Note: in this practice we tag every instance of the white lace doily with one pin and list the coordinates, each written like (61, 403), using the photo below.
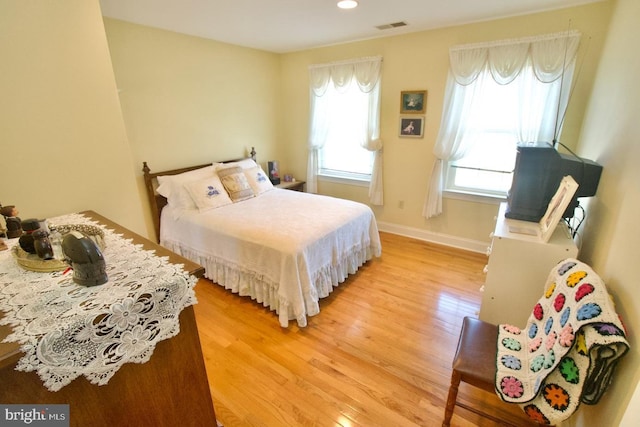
(67, 330)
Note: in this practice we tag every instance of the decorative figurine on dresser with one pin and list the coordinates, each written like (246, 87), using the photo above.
(27, 241)
(85, 258)
(11, 218)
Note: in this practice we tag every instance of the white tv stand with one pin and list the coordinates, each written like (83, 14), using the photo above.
(517, 271)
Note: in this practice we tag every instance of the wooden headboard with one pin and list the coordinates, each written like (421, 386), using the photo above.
(158, 202)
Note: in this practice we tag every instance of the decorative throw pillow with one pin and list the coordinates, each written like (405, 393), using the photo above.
(208, 193)
(258, 180)
(172, 186)
(235, 182)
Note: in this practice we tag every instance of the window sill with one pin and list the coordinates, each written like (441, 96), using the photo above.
(342, 180)
(490, 199)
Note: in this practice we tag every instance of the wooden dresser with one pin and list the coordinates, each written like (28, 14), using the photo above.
(169, 390)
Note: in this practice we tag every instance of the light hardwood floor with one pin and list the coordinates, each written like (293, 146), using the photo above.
(378, 354)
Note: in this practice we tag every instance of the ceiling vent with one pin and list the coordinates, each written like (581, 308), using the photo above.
(392, 25)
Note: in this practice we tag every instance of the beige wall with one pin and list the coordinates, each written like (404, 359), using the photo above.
(64, 145)
(611, 135)
(420, 61)
(188, 100)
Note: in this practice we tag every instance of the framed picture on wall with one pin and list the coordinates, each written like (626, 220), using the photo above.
(412, 127)
(413, 101)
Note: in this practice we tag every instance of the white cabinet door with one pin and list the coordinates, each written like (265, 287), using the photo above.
(517, 271)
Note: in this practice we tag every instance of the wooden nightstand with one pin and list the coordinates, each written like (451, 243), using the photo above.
(293, 185)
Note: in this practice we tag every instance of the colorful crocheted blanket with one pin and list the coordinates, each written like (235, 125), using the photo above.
(567, 352)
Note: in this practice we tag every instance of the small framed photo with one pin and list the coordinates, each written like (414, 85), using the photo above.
(558, 204)
(412, 127)
(274, 172)
(413, 101)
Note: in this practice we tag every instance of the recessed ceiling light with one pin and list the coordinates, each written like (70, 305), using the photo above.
(347, 4)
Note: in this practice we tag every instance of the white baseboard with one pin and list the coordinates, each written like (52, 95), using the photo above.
(430, 236)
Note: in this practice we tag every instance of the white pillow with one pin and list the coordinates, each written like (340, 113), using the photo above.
(172, 186)
(236, 183)
(208, 193)
(258, 180)
(244, 164)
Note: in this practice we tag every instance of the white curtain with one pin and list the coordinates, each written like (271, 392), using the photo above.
(367, 73)
(547, 59)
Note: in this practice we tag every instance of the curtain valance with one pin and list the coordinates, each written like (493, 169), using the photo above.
(548, 55)
(365, 70)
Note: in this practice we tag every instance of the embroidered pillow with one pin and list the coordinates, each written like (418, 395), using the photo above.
(235, 182)
(258, 180)
(172, 186)
(208, 193)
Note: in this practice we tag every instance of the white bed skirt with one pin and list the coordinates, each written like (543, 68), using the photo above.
(245, 282)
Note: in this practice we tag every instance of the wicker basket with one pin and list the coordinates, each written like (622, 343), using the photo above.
(33, 262)
(91, 231)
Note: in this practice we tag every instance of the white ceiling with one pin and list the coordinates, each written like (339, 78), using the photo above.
(290, 25)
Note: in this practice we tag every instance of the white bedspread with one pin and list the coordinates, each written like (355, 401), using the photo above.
(285, 249)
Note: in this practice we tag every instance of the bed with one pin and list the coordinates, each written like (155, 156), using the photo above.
(285, 249)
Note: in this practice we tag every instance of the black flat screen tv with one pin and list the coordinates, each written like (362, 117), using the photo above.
(537, 174)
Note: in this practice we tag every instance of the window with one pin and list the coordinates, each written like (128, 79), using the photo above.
(493, 130)
(498, 94)
(487, 169)
(344, 132)
(342, 156)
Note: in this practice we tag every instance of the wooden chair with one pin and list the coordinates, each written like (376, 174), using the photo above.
(569, 316)
(474, 364)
